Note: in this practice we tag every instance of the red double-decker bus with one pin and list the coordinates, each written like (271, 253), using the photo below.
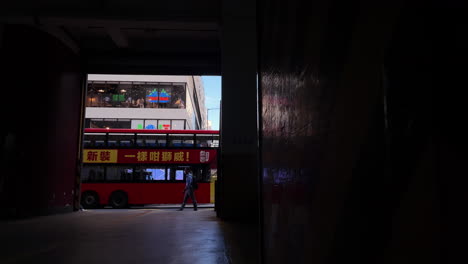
(123, 167)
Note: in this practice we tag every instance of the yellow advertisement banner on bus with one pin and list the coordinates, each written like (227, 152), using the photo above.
(100, 156)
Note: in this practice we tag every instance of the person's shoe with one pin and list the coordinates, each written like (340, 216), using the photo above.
(180, 209)
(195, 209)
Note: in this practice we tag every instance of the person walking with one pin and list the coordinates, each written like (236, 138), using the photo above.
(188, 190)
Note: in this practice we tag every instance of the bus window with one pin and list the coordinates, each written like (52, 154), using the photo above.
(179, 175)
(92, 173)
(175, 173)
(87, 143)
(151, 143)
(141, 174)
(120, 139)
(188, 141)
(162, 141)
(205, 175)
(215, 142)
(151, 140)
(156, 173)
(119, 173)
(204, 140)
(95, 139)
(181, 140)
(140, 142)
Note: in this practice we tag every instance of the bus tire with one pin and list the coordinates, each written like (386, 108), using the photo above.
(90, 200)
(118, 200)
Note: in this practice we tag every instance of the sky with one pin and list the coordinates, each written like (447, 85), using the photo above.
(212, 85)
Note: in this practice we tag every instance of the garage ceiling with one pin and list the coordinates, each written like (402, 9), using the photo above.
(134, 37)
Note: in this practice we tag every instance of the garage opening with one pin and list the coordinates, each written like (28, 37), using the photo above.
(143, 135)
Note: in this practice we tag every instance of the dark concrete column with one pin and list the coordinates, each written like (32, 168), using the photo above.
(1, 34)
(42, 84)
(356, 119)
(238, 182)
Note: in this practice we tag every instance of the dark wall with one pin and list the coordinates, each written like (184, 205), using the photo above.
(237, 184)
(355, 122)
(41, 108)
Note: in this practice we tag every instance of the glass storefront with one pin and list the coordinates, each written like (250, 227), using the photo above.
(163, 124)
(136, 95)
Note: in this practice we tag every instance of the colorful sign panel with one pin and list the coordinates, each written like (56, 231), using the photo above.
(164, 126)
(153, 96)
(158, 97)
(173, 156)
(164, 96)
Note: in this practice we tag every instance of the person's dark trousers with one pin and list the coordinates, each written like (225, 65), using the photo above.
(191, 195)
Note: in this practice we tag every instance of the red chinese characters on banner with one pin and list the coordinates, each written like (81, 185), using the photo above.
(100, 156)
(191, 156)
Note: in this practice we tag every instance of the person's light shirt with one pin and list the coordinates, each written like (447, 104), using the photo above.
(188, 181)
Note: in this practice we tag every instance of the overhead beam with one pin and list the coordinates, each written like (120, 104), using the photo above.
(179, 64)
(118, 37)
(175, 24)
(52, 29)
(186, 24)
(181, 10)
(61, 35)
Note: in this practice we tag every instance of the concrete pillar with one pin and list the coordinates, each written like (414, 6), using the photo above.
(1, 34)
(42, 83)
(238, 180)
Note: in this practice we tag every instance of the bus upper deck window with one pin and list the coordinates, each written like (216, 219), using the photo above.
(125, 143)
(151, 142)
(140, 143)
(87, 143)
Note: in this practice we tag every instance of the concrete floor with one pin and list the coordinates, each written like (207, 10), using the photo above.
(165, 236)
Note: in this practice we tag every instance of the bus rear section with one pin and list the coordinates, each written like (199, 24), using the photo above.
(140, 172)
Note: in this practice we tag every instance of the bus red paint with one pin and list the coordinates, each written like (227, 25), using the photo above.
(124, 167)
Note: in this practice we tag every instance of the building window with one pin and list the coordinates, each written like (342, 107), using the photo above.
(163, 124)
(178, 124)
(108, 123)
(136, 95)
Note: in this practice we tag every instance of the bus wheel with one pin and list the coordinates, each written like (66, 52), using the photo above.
(90, 200)
(118, 200)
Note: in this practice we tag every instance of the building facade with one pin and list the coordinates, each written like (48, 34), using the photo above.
(145, 102)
